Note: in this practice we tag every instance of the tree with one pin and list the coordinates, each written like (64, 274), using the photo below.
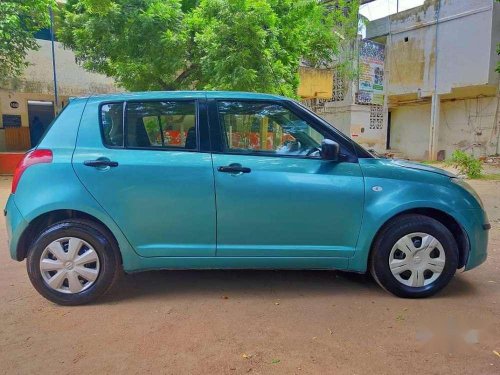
(19, 20)
(250, 45)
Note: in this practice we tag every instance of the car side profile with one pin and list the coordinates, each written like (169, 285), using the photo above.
(221, 180)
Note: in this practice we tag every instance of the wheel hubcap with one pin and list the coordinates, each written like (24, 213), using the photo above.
(69, 265)
(417, 259)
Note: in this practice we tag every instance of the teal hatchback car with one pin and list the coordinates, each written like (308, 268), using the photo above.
(204, 180)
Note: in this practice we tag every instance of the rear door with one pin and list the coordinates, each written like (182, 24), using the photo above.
(146, 161)
(276, 197)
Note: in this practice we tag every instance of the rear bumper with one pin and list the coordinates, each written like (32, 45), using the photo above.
(477, 229)
(15, 225)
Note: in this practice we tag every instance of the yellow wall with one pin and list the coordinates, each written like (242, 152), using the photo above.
(315, 83)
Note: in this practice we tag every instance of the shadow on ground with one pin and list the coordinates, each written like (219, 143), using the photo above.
(260, 283)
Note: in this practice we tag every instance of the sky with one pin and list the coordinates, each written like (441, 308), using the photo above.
(382, 8)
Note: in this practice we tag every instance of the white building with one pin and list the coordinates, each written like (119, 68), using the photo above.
(440, 84)
(31, 96)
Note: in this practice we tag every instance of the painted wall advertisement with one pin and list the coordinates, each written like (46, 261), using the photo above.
(371, 72)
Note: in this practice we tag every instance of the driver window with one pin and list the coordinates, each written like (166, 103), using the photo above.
(262, 127)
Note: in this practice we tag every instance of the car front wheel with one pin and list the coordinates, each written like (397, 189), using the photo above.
(414, 256)
(73, 262)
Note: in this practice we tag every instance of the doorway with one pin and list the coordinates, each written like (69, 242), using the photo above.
(388, 139)
(40, 115)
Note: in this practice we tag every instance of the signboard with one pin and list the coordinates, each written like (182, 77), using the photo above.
(371, 72)
(11, 121)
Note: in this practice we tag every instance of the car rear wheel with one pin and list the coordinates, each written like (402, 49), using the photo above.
(414, 256)
(73, 262)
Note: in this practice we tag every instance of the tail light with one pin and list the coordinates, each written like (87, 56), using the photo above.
(31, 158)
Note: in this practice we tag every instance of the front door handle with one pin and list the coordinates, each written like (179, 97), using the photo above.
(234, 168)
(99, 163)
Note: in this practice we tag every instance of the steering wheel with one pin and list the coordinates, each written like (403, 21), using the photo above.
(313, 150)
(292, 146)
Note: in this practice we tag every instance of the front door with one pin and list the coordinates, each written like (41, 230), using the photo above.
(150, 174)
(276, 197)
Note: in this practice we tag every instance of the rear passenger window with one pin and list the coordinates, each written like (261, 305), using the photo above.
(112, 124)
(165, 124)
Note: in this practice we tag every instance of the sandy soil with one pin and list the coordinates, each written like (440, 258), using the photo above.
(258, 322)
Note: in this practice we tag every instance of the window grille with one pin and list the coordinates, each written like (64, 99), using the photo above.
(339, 87)
(376, 116)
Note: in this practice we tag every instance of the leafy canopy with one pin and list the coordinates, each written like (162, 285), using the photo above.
(249, 45)
(19, 20)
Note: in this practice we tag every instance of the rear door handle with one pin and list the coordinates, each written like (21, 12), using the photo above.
(234, 168)
(100, 163)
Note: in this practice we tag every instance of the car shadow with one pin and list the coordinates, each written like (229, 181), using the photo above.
(257, 283)
(459, 286)
(239, 283)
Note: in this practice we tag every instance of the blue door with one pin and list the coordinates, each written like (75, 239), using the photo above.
(150, 175)
(276, 197)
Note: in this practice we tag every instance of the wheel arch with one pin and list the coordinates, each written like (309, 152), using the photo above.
(458, 232)
(39, 223)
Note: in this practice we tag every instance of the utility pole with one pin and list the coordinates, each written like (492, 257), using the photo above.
(56, 98)
(436, 99)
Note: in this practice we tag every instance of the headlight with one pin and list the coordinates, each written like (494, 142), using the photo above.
(464, 185)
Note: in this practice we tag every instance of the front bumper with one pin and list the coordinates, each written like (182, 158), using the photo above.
(15, 225)
(477, 228)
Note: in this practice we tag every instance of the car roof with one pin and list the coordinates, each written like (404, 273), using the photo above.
(145, 95)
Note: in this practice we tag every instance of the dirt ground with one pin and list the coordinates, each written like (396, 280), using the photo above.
(257, 322)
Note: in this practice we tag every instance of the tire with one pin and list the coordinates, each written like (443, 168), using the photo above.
(99, 268)
(418, 270)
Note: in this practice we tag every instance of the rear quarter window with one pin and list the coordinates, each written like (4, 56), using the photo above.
(112, 124)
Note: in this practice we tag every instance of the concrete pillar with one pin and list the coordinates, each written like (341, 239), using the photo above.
(434, 128)
(263, 133)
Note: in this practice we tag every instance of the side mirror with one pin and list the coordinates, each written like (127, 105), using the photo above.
(329, 150)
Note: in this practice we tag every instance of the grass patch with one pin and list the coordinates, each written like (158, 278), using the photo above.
(489, 177)
(430, 162)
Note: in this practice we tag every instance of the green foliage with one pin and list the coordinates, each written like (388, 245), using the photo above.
(19, 20)
(141, 43)
(466, 164)
(248, 45)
